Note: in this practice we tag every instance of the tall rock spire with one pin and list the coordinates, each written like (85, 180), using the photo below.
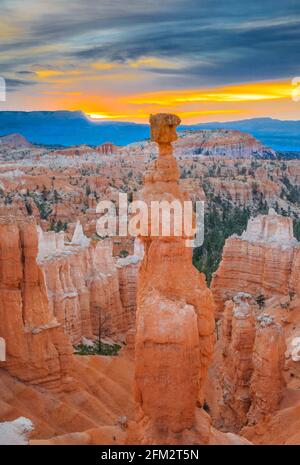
(175, 323)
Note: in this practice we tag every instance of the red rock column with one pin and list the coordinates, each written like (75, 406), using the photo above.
(37, 349)
(237, 360)
(227, 326)
(267, 382)
(175, 323)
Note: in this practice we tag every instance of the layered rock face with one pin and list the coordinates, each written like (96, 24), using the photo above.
(40, 378)
(244, 193)
(267, 383)
(37, 351)
(238, 334)
(253, 353)
(128, 276)
(212, 143)
(107, 148)
(226, 143)
(87, 292)
(260, 261)
(175, 324)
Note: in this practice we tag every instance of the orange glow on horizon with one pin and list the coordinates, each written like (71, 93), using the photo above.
(191, 103)
(100, 103)
(96, 116)
(238, 93)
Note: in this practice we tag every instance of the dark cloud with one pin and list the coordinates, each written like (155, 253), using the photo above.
(26, 73)
(13, 84)
(230, 54)
(218, 42)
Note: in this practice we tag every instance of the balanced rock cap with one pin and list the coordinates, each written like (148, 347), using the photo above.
(163, 127)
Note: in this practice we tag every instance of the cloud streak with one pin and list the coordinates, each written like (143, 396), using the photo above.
(150, 46)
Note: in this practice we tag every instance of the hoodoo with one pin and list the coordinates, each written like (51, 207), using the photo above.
(250, 359)
(175, 322)
(37, 350)
(267, 382)
(263, 260)
(237, 344)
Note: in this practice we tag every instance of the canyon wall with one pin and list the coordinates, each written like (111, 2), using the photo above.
(128, 276)
(238, 332)
(267, 382)
(40, 378)
(263, 260)
(252, 363)
(89, 293)
(37, 350)
(213, 143)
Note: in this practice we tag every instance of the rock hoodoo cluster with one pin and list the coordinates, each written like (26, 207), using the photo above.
(238, 339)
(89, 292)
(55, 293)
(44, 306)
(253, 355)
(262, 261)
(37, 350)
(267, 382)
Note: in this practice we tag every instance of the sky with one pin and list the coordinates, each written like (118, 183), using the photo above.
(206, 60)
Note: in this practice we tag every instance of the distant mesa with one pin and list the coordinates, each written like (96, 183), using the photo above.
(217, 143)
(69, 128)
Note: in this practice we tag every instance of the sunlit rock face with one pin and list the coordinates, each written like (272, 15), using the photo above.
(107, 148)
(238, 334)
(252, 364)
(128, 275)
(175, 323)
(89, 293)
(37, 350)
(226, 144)
(40, 378)
(271, 228)
(267, 382)
(262, 260)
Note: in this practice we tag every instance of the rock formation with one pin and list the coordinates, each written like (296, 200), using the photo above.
(260, 261)
(128, 275)
(238, 334)
(271, 228)
(223, 143)
(267, 382)
(59, 289)
(175, 324)
(213, 143)
(107, 148)
(88, 292)
(37, 350)
(243, 193)
(40, 378)
(253, 354)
